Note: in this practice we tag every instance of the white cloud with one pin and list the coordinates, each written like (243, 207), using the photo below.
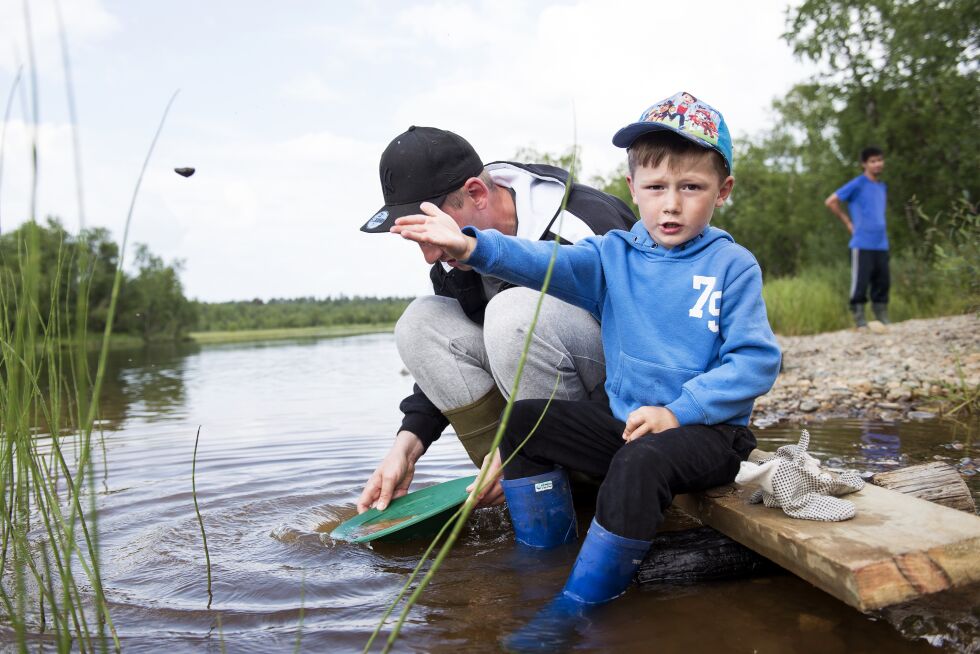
(86, 22)
(598, 65)
(309, 88)
(461, 26)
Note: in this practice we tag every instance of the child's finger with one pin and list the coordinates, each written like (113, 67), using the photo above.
(430, 209)
(639, 431)
(414, 219)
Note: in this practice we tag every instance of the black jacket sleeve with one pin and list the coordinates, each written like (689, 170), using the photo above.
(422, 418)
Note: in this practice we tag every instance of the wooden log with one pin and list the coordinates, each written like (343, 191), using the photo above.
(700, 554)
(936, 482)
(685, 551)
(896, 549)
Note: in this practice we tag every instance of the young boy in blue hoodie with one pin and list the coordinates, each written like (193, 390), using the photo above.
(687, 343)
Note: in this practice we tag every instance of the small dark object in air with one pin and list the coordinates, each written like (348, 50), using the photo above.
(184, 172)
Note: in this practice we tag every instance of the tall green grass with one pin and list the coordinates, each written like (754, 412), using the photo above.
(816, 300)
(50, 571)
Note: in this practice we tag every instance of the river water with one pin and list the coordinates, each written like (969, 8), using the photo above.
(289, 432)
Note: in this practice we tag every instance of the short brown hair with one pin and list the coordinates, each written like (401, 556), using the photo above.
(456, 198)
(652, 148)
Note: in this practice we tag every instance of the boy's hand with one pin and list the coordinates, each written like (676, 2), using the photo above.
(649, 420)
(493, 494)
(435, 227)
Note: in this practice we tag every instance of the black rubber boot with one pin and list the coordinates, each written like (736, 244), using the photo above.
(880, 310)
(857, 310)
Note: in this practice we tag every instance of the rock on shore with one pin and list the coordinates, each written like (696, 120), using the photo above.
(898, 372)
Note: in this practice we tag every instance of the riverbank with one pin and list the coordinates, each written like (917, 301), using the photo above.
(246, 335)
(915, 369)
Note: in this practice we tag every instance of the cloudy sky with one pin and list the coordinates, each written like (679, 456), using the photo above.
(284, 109)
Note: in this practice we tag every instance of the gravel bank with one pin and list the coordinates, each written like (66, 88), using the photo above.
(889, 373)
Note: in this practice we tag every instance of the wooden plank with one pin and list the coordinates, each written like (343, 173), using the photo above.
(897, 548)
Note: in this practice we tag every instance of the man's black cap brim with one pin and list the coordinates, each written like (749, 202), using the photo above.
(385, 218)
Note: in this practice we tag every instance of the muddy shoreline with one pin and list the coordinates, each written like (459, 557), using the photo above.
(909, 370)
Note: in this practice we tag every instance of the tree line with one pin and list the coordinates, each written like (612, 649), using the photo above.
(152, 304)
(70, 267)
(298, 312)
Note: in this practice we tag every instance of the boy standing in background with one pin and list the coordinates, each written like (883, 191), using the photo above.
(865, 196)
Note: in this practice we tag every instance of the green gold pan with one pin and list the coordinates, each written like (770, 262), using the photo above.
(416, 515)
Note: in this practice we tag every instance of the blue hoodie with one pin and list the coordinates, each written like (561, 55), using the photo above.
(683, 328)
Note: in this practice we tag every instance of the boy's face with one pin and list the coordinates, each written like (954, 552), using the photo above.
(676, 205)
(874, 164)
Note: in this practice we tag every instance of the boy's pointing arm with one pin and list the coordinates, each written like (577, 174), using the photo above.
(577, 276)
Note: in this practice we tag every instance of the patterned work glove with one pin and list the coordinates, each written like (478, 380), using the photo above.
(792, 479)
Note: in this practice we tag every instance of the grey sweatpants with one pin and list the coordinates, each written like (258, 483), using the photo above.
(456, 361)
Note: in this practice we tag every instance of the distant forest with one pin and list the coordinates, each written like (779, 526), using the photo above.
(152, 305)
(297, 312)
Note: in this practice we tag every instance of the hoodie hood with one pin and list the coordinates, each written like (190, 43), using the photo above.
(639, 238)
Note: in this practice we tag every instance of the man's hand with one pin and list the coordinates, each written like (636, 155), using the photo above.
(393, 475)
(649, 420)
(493, 494)
(435, 227)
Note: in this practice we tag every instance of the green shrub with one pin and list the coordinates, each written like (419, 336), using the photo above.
(815, 300)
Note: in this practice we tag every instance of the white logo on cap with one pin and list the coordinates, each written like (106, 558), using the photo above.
(377, 219)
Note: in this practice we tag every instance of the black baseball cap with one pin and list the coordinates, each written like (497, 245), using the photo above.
(423, 164)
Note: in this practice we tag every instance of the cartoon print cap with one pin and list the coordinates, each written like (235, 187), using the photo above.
(683, 114)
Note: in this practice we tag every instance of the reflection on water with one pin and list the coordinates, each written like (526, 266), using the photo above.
(880, 451)
(289, 433)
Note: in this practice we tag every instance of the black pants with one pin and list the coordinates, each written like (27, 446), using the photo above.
(869, 268)
(641, 477)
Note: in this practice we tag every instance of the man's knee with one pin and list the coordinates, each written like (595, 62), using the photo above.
(506, 321)
(417, 322)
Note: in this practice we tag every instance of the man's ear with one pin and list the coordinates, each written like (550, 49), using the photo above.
(629, 183)
(725, 190)
(477, 191)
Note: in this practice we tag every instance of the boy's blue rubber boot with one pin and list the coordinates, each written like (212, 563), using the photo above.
(541, 509)
(602, 572)
(605, 566)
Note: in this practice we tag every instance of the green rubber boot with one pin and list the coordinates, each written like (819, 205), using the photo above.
(476, 424)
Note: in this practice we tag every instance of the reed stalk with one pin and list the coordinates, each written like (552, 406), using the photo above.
(197, 510)
(6, 121)
(302, 612)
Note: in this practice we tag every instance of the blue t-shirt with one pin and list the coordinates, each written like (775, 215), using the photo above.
(866, 203)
